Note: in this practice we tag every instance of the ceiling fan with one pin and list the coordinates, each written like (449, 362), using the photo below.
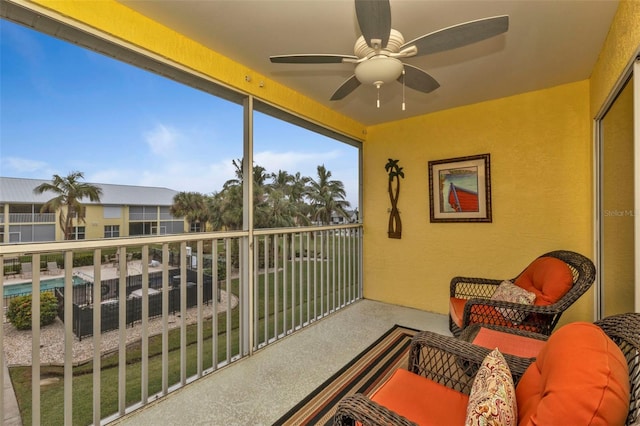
(377, 52)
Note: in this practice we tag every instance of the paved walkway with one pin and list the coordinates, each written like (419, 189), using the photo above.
(11, 415)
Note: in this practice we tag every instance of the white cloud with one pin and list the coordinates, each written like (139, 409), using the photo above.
(304, 162)
(113, 176)
(162, 140)
(23, 165)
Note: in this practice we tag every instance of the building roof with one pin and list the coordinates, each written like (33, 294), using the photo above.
(20, 190)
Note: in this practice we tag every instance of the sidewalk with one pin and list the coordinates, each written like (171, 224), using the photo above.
(11, 413)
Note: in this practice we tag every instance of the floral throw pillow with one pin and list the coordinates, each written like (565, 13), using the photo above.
(492, 400)
(509, 292)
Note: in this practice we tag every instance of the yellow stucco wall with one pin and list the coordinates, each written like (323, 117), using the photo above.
(622, 42)
(540, 148)
(95, 222)
(119, 21)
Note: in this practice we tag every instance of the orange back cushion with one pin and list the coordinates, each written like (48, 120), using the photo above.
(549, 278)
(579, 377)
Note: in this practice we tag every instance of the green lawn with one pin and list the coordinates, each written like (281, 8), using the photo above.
(299, 295)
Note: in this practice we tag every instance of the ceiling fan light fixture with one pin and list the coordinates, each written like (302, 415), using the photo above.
(379, 70)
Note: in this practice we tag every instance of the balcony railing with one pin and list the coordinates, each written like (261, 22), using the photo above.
(32, 217)
(243, 290)
(143, 216)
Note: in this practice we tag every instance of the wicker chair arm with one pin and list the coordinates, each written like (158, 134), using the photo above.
(467, 287)
(453, 362)
(469, 333)
(520, 307)
(359, 408)
(484, 311)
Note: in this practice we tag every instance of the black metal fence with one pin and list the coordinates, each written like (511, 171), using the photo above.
(110, 305)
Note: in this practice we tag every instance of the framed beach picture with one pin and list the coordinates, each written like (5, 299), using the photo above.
(460, 189)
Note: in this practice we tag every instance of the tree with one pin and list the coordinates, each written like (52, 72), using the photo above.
(327, 196)
(70, 193)
(286, 196)
(192, 206)
(281, 181)
(226, 205)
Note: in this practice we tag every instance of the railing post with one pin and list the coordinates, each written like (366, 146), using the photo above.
(97, 331)
(122, 326)
(2, 360)
(68, 337)
(165, 318)
(199, 289)
(35, 341)
(183, 313)
(144, 378)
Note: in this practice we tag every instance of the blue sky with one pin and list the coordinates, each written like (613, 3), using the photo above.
(64, 108)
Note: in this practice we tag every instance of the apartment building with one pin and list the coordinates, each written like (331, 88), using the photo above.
(123, 211)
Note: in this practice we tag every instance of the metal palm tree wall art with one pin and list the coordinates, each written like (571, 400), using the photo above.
(395, 173)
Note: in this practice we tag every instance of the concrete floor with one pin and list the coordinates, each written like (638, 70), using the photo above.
(259, 389)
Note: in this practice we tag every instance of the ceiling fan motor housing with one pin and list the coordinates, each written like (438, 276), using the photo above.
(379, 68)
(362, 49)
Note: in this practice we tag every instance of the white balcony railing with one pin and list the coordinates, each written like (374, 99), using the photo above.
(192, 302)
(32, 217)
(143, 216)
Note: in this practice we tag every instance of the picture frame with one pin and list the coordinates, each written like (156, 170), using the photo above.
(460, 189)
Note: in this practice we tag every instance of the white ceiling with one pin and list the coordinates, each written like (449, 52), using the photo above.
(549, 42)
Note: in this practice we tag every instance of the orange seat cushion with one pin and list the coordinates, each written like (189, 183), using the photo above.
(521, 346)
(549, 278)
(580, 377)
(421, 400)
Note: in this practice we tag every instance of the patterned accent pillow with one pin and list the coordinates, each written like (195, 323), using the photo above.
(509, 292)
(492, 400)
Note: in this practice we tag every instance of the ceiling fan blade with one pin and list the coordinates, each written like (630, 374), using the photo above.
(459, 35)
(312, 59)
(347, 87)
(417, 79)
(374, 20)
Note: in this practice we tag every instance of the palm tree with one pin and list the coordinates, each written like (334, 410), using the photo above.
(69, 194)
(281, 181)
(286, 193)
(327, 196)
(226, 205)
(192, 206)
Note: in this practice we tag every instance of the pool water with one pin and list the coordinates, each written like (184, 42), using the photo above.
(25, 288)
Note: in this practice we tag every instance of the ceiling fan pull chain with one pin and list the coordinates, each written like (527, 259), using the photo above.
(378, 101)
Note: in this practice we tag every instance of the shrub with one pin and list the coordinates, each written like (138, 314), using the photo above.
(19, 311)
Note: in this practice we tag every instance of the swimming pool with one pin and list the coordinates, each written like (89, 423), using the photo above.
(25, 288)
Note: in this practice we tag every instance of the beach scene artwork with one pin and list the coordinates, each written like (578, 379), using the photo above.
(459, 190)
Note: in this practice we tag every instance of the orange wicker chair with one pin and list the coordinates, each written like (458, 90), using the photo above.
(558, 278)
(443, 369)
